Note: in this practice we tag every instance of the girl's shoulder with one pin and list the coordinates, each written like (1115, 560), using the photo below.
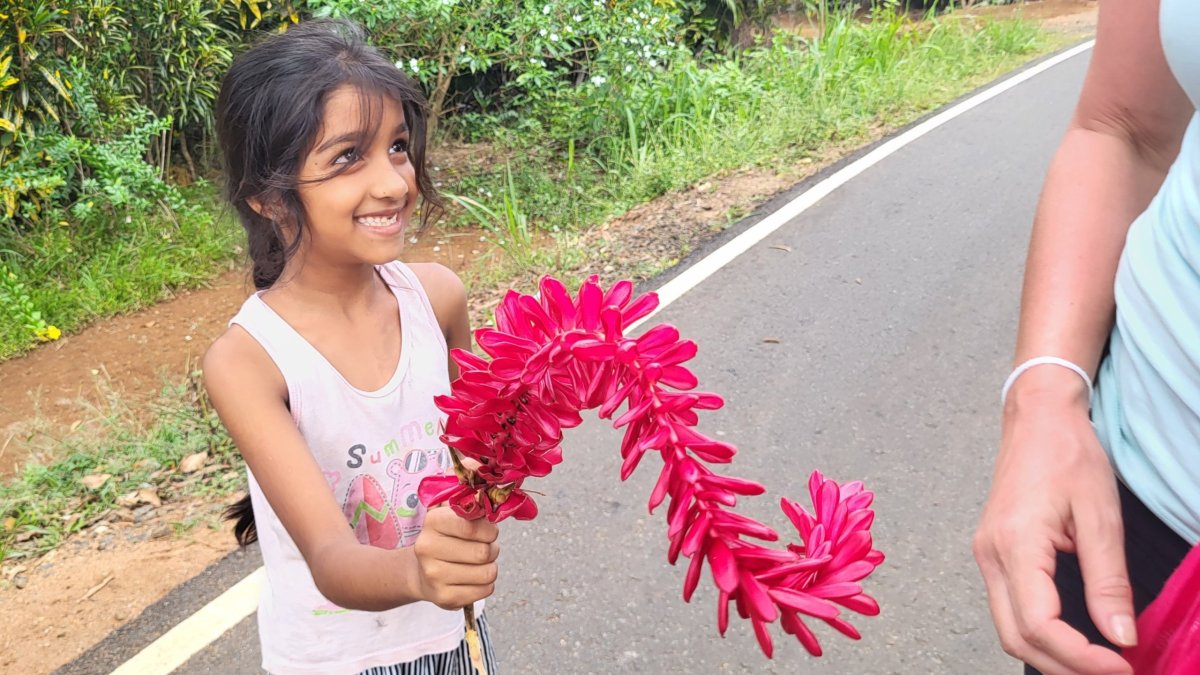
(445, 290)
(235, 361)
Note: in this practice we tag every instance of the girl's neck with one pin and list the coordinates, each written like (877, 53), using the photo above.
(325, 288)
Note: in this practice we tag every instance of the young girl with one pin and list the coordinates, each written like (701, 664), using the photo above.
(326, 377)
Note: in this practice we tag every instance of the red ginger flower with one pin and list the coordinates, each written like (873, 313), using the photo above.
(555, 355)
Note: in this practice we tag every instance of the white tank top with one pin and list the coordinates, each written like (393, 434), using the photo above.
(374, 448)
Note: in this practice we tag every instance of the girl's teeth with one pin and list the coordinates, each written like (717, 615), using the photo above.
(378, 222)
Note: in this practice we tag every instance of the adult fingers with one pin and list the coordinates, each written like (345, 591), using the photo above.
(1100, 545)
(1046, 642)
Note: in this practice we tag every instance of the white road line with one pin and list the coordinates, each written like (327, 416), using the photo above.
(196, 632)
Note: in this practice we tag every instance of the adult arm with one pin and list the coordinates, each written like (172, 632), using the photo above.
(1053, 487)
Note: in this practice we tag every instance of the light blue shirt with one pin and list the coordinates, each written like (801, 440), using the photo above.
(1147, 403)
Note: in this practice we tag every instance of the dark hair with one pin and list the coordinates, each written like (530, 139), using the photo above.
(269, 114)
(268, 117)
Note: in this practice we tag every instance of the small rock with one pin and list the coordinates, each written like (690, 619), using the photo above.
(105, 543)
(143, 513)
(160, 532)
(149, 496)
(120, 615)
(20, 581)
(193, 463)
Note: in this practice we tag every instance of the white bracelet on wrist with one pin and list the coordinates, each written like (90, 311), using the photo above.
(1045, 360)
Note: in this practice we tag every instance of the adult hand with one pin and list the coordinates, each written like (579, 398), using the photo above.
(1054, 490)
(456, 559)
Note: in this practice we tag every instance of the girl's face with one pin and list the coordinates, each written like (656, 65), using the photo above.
(360, 215)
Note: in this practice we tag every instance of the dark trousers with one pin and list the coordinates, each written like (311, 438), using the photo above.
(1152, 552)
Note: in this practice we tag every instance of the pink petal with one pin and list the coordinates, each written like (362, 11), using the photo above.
(679, 352)
(678, 377)
(538, 316)
(842, 589)
(557, 302)
(795, 626)
(757, 600)
(629, 465)
(804, 603)
(723, 566)
(660, 488)
(722, 612)
(852, 572)
(842, 626)
(696, 535)
(693, 577)
(717, 496)
(610, 319)
(764, 637)
(800, 519)
(619, 294)
(435, 490)
(736, 522)
(589, 305)
(641, 307)
(594, 350)
(468, 359)
(658, 337)
(738, 486)
(863, 604)
(634, 412)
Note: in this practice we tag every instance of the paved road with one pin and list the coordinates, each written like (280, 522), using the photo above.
(894, 303)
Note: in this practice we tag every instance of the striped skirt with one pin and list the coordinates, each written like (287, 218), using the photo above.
(454, 662)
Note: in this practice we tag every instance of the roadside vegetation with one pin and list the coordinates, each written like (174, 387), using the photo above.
(583, 109)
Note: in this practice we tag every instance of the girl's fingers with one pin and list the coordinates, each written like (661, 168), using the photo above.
(449, 574)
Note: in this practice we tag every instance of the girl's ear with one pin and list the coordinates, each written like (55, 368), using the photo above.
(257, 205)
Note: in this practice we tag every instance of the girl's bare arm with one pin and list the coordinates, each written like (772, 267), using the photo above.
(452, 563)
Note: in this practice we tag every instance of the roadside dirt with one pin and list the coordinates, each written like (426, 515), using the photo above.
(45, 620)
(54, 608)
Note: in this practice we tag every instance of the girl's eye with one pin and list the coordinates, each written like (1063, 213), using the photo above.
(400, 145)
(346, 157)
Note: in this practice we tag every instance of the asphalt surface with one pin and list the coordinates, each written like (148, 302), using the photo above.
(892, 308)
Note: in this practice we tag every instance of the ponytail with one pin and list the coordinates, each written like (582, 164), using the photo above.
(242, 513)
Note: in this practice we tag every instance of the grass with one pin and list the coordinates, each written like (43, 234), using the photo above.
(135, 449)
(775, 105)
(75, 275)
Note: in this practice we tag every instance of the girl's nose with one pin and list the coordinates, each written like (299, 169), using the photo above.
(388, 182)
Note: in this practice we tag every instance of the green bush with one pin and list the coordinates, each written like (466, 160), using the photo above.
(53, 178)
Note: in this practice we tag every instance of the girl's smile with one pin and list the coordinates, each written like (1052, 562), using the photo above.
(383, 223)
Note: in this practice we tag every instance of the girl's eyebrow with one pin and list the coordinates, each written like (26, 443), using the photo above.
(336, 140)
(354, 135)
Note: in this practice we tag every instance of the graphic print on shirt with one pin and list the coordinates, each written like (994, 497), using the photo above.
(391, 517)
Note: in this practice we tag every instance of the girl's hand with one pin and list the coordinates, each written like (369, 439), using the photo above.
(1054, 490)
(456, 559)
